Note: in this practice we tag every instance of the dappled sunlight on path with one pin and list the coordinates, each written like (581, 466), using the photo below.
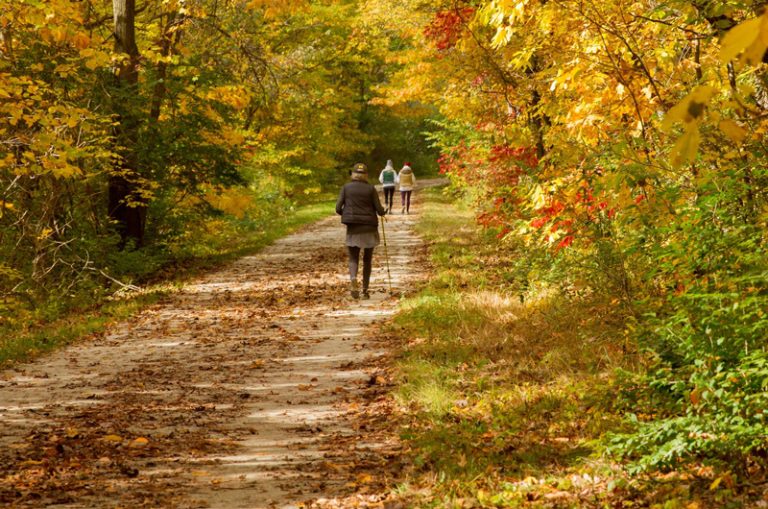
(243, 389)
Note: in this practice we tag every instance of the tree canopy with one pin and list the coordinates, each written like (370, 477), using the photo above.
(618, 148)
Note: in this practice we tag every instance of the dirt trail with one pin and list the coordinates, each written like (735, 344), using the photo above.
(255, 386)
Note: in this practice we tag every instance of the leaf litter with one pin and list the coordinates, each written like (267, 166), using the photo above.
(259, 385)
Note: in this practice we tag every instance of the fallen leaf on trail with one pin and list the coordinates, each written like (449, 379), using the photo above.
(31, 463)
(327, 465)
(72, 432)
(129, 471)
(377, 380)
(112, 438)
(140, 442)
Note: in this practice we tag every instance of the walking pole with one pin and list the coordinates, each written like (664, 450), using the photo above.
(386, 254)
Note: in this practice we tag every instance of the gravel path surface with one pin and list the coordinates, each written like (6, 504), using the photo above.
(259, 385)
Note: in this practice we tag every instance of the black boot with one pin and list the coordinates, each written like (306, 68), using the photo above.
(353, 290)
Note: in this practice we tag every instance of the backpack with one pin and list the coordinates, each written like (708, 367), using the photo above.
(388, 177)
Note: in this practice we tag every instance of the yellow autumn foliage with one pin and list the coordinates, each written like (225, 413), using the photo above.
(237, 202)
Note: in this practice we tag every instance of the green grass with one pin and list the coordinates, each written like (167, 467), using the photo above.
(25, 342)
(494, 391)
(22, 345)
(507, 386)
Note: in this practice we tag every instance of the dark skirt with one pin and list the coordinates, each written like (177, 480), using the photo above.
(363, 236)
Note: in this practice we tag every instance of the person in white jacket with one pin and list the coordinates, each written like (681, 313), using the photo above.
(388, 178)
(407, 181)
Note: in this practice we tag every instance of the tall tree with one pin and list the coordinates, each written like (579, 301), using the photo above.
(126, 205)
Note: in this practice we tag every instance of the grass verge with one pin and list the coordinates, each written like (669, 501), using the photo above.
(505, 403)
(23, 343)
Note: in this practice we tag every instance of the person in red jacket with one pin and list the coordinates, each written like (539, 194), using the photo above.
(359, 208)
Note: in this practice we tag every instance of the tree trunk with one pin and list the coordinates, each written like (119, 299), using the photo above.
(537, 120)
(168, 39)
(126, 205)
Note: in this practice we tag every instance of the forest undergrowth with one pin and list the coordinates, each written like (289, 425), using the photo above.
(510, 400)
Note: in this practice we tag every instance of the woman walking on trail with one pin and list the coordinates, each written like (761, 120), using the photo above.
(388, 178)
(407, 181)
(358, 206)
